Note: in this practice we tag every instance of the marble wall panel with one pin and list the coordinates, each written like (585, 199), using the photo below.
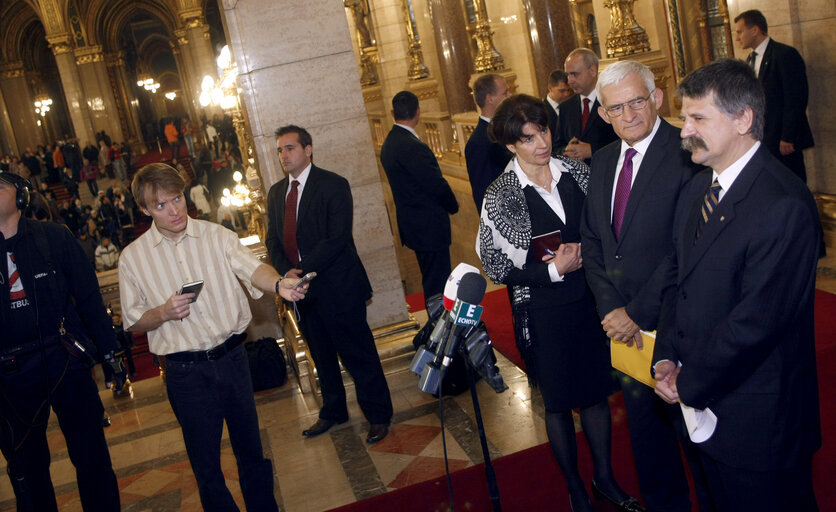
(512, 42)
(372, 230)
(388, 303)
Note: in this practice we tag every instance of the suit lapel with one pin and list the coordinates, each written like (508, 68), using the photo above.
(766, 62)
(593, 118)
(609, 183)
(307, 194)
(282, 200)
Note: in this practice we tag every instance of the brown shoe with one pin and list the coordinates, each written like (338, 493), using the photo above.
(377, 431)
(320, 427)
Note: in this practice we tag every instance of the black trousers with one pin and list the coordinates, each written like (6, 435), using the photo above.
(346, 334)
(435, 269)
(40, 380)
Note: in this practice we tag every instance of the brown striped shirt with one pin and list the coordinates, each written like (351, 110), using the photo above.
(153, 267)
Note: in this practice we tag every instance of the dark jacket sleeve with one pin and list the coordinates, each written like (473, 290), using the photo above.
(794, 82)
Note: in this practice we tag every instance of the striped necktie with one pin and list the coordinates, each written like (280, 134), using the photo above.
(709, 203)
(751, 59)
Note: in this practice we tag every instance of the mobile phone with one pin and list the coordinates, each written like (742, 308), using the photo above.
(305, 280)
(194, 288)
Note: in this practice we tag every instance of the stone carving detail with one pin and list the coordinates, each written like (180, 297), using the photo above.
(626, 36)
(417, 69)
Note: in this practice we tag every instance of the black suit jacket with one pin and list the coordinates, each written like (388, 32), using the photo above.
(485, 161)
(784, 79)
(324, 237)
(553, 116)
(741, 320)
(619, 270)
(423, 199)
(598, 133)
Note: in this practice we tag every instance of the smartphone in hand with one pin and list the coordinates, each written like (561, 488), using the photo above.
(194, 288)
(305, 280)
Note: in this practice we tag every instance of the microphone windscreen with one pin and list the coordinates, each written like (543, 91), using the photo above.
(452, 286)
(472, 288)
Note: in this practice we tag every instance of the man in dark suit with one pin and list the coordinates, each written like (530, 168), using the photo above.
(310, 221)
(559, 91)
(737, 335)
(485, 159)
(580, 133)
(781, 71)
(626, 235)
(423, 199)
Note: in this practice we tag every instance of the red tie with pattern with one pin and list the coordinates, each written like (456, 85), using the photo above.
(289, 229)
(584, 114)
(622, 191)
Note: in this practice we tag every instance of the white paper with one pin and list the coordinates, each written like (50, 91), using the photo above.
(700, 423)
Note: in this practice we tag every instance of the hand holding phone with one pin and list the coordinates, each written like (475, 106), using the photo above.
(305, 280)
(193, 287)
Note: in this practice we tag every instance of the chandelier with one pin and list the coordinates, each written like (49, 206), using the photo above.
(42, 104)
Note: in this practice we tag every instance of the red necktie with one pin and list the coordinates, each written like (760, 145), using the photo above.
(622, 191)
(585, 114)
(289, 229)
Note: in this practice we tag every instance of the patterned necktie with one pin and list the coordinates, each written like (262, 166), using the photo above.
(709, 203)
(289, 228)
(622, 191)
(751, 59)
(584, 114)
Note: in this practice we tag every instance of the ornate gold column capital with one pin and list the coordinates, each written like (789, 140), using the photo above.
(181, 36)
(417, 69)
(487, 57)
(88, 54)
(626, 36)
(12, 69)
(192, 18)
(60, 43)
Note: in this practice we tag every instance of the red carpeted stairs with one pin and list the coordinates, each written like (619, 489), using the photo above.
(530, 480)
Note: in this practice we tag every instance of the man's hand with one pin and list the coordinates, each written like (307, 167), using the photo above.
(578, 149)
(666, 373)
(177, 306)
(786, 148)
(568, 258)
(294, 272)
(622, 328)
(287, 290)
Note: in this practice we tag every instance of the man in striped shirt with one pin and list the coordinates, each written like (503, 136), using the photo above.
(201, 335)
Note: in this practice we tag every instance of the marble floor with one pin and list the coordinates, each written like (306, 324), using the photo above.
(312, 474)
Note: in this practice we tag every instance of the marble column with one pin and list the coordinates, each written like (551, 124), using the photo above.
(123, 92)
(292, 60)
(101, 103)
(21, 110)
(189, 77)
(551, 37)
(73, 88)
(454, 58)
(8, 142)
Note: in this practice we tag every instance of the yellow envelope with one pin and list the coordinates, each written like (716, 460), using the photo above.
(634, 362)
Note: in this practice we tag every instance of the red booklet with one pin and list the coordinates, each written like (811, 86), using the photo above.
(550, 241)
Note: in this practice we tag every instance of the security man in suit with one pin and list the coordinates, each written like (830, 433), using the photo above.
(782, 73)
(423, 198)
(485, 159)
(310, 222)
(580, 133)
(626, 235)
(737, 335)
(559, 91)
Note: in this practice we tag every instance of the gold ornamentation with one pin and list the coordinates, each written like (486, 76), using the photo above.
(417, 69)
(12, 70)
(59, 44)
(192, 18)
(368, 57)
(626, 36)
(88, 54)
(487, 57)
(181, 35)
(676, 37)
(360, 10)
(372, 93)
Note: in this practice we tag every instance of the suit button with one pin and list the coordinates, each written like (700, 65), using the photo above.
(618, 257)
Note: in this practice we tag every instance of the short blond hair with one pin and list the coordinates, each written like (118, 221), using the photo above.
(158, 176)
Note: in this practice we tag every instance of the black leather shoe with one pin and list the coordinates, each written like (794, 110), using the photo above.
(629, 504)
(377, 431)
(320, 427)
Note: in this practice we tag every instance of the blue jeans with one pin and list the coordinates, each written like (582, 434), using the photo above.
(203, 395)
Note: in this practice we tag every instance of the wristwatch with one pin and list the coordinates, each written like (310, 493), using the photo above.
(277, 284)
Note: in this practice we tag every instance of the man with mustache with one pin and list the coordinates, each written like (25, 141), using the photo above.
(736, 335)
(626, 235)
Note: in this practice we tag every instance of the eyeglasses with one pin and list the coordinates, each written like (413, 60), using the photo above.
(635, 104)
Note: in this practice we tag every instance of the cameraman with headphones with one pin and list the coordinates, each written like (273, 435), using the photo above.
(53, 327)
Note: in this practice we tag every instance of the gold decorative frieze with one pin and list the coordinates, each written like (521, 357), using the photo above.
(425, 89)
(12, 70)
(59, 44)
(626, 36)
(192, 18)
(417, 69)
(181, 35)
(88, 54)
(487, 57)
(372, 93)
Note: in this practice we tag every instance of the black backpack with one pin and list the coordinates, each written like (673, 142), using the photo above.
(267, 364)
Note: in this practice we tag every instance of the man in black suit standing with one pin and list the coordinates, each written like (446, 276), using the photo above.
(781, 71)
(626, 235)
(738, 337)
(423, 199)
(310, 222)
(580, 133)
(485, 159)
(559, 91)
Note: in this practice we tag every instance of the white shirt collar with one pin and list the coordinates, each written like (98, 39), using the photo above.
(303, 176)
(592, 97)
(727, 177)
(553, 103)
(409, 129)
(642, 145)
(555, 167)
(486, 119)
(762, 47)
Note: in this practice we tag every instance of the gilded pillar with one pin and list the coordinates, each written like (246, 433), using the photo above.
(123, 92)
(550, 36)
(487, 56)
(101, 103)
(417, 68)
(73, 88)
(626, 36)
(366, 44)
(454, 57)
(21, 111)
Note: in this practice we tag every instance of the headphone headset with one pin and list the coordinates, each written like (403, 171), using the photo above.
(22, 188)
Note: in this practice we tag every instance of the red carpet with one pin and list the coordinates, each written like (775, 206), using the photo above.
(530, 479)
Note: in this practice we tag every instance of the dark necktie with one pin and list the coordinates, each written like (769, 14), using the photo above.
(584, 114)
(709, 203)
(289, 229)
(751, 60)
(622, 191)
